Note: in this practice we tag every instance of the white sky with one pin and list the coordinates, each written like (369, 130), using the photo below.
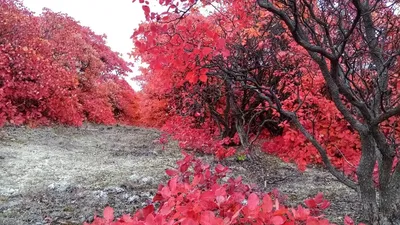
(117, 19)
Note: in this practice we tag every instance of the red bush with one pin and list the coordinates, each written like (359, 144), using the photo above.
(202, 138)
(196, 195)
(52, 69)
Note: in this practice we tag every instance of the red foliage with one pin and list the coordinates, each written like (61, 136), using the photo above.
(182, 83)
(319, 115)
(54, 70)
(97, 107)
(153, 111)
(125, 102)
(195, 194)
(201, 138)
(175, 88)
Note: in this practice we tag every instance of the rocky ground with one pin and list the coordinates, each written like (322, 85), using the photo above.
(63, 175)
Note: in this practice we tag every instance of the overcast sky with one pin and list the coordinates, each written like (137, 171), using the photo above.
(117, 19)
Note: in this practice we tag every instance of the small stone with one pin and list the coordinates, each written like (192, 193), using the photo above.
(114, 189)
(90, 219)
(100, 194)
(52, 186)
(133, 198)
(125, 196)
(147, 180)
(146, 194)
(60, 186)
(134, 178)
(143, 204)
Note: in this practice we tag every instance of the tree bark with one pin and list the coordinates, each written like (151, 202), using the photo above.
(370, 208)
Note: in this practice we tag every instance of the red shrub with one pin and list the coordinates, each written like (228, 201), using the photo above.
(196, 195)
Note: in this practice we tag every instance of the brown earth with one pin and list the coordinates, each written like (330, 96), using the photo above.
(63, 175)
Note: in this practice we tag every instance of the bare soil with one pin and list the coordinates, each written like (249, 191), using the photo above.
(64, 175)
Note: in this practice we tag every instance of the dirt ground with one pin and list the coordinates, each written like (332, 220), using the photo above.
(63, 175)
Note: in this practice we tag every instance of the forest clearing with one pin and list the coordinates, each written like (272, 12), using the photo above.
(63, 175)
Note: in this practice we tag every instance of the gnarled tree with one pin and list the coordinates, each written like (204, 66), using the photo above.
(350, 54)
(355, 44)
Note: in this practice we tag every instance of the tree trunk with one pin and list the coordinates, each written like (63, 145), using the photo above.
(238, 117)
(382, 209)
(390, 202)
(244, 139)
(369, 209)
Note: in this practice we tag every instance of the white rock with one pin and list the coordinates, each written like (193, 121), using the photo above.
(100, 194)
(133, 198)
(147, 180)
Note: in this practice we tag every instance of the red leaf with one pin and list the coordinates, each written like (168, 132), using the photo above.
(108, 213)
(312, 221)
(281, 211)
(189, 221)
(221, 169)
(172, 184)
(253, 201)
(203, 78)
(150, 220)
(236, 215)
(126, 218)
(165, 192)
(267, 204)
(171, 172)
(206, 51)
(191, 77)
(319, 198)
(221, 43)
(146, 10)
(184, 167)
(277, 220)
(226, 53)
(147, 210)
(289, 223)
(230, 152)
(167, 207)
(196, 180)
(310, 203)
(324, 205)
(207, 218)
(208, 196)
(348, 221)
(301, 213)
